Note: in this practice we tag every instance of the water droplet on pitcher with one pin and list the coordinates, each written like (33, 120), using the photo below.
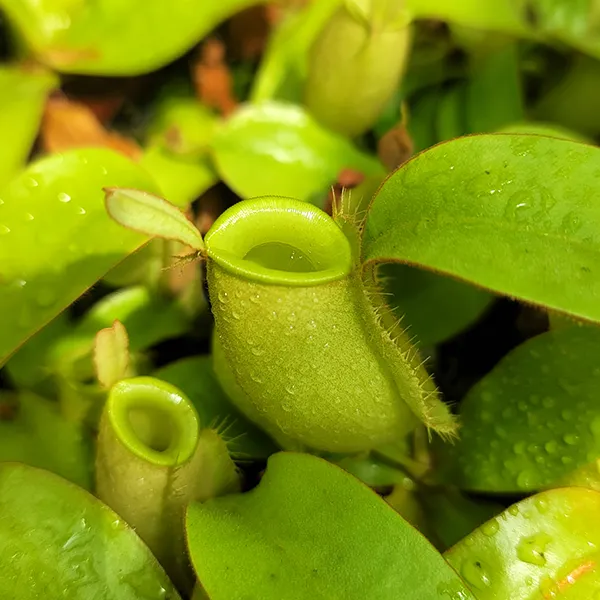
(62, 197)
(4, 229)
(474, 573)
(490, 528)
(531, 549)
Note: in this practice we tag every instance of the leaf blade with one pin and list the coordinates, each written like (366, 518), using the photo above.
(484, 201)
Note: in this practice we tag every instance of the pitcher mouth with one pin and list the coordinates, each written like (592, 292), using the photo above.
(281, 241)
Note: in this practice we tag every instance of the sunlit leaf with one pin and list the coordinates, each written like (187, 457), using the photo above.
(57, 541)
(533, 419)
(56, 239)
(22, 97)
(310, 530)
(279, 149)
(542, 547)
(516, 214)
(103, 38)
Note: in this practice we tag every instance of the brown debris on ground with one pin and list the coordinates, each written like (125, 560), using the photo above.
(68, 124)
(212, 78)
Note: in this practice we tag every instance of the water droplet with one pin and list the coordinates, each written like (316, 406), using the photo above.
(4, 229)
(551, 447)
(507, 413)
(223, 297)
(486, 416)
(519, 448)
(541, 504)
(570, 439)
(474, 573)
(28, 217)
(257, 351)
(522, 405)
(534, 399)
(80, 210)
(526, 479)
(566, 460)
(566, 414)
(487, 397)
(45, 297)
(290, 389)
(548, 402)
(513, 510)
(235, 315)
(531, 549)
(31, 182)
(62, 197)
(595, 427)
(490, 528)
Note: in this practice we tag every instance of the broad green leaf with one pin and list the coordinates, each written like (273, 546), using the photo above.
(284, 66)
(543, 547)
(141, 211)
(181, 180)
(311, 531)
(533, 419)
(39, 436)
(278, 149)
(494, 95)
(57, 541)
(516, 214)
(56, 238)
(22, 96)
(195, 377)
(115, 37)
(147, 317)
(182, 125)
(434, 308)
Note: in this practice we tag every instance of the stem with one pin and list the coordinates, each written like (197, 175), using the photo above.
(152, 461)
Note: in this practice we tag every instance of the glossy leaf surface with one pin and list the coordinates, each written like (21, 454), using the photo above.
(534, 418)
(103, 38)
(543, 547)
(56, 206)
(512, 213)
(279, 149)
(57, 541)
(22, 97)
(312, 531)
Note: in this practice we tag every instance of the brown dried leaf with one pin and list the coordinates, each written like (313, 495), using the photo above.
(67, 124)
(395, 147)
(212, 79)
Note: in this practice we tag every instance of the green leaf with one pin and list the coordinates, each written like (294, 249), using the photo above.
(542, 547)
(21, 105)
(278, 149)
(152, 215)
(312, 531)
(434, 308)
(182, 125)
(39, 436)
(109, 37)
(533, 419)
(195, 377)
(181, 180)
(56, 238)
(148, 317)
(57, 541)
(512, 213)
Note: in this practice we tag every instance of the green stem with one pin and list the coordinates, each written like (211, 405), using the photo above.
(152, 461)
